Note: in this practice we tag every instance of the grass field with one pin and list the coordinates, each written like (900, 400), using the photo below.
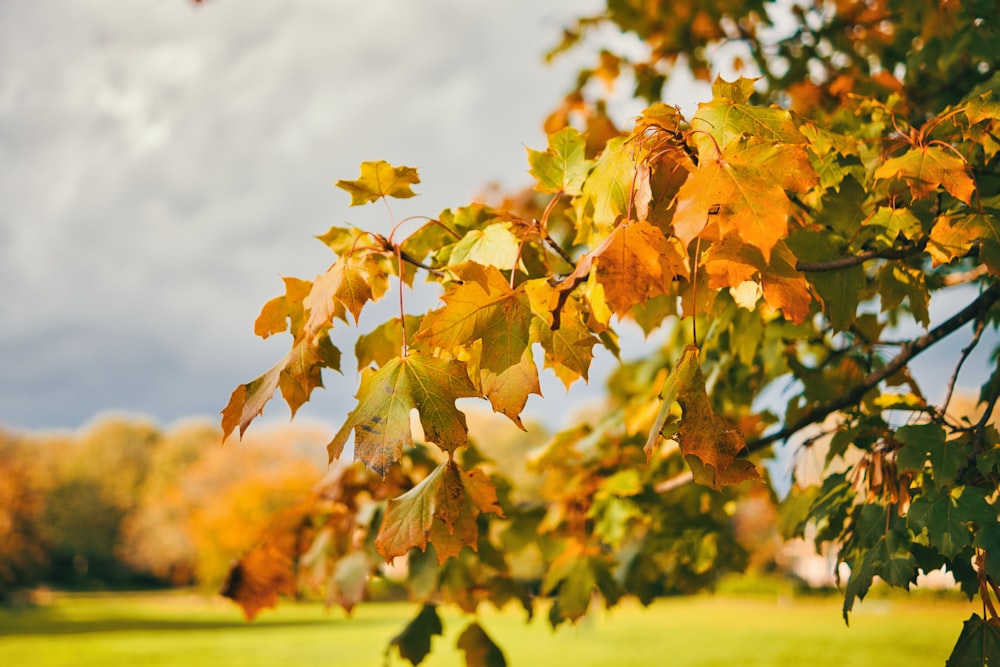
(186, 630)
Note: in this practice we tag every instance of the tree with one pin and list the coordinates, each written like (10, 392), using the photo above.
(792, 232)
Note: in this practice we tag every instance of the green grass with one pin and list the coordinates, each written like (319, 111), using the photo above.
(149, 630)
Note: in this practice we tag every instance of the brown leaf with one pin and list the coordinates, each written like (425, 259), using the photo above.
(710, 444)
(255, 582)
(441, 509)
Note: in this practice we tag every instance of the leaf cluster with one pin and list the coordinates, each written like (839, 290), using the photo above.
(791, 232)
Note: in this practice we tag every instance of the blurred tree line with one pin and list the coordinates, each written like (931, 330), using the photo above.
(124, 503)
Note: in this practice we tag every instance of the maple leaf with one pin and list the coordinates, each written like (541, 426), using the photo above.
(953, 236)
(297, 374)
(508, 390)
(840, 291)
(898, 282)
(268, 569)
(608, 191)
(480, 650)
(978, 645)
(494, 245)
(284, 312)
(384, 342)
(380, 179)
(414, 640)
(381, 421)
(732, 263)
(709, 443)
(784, 288)
(350, 580)
(569, 348)
(485, 308)
(247, 401)
(563, 166)
(637, 264)
(351, 282)
(948, 515)
(927, 168)
(258, 578)
(728, 117)
(441, 509)
(743, 191)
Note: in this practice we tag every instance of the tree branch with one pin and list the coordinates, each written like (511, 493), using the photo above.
(973, 311)
(861, 258)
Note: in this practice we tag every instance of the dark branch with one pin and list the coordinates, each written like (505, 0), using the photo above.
(861, 258)
(973, 311)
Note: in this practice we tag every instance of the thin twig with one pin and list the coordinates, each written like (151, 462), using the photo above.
(966, 351)
(861, 258)
(974, 310)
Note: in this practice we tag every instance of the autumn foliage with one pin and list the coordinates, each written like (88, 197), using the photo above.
(791, 232)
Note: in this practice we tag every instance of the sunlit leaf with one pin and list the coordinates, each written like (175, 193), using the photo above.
(380, 179)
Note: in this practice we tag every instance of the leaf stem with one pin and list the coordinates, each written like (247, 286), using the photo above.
(694, 292)
(402, 314)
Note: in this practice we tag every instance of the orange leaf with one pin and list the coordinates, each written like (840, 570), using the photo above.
(927, 168)
(743, 191)
(637, 264)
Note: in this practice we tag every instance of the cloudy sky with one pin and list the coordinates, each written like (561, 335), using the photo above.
(164, 164)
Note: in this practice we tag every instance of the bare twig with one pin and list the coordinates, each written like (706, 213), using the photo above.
(909, 350)
(977, 334)
(861, 258)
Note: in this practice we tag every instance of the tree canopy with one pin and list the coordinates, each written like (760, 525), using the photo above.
(788, 236)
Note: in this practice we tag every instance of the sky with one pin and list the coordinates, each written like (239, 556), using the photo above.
(165, 164)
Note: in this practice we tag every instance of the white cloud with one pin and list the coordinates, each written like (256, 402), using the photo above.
(165, 163)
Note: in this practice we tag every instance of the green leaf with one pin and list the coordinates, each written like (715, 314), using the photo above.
(738, 91)
(888, 223)
(383, 343)
(381, 421)
(726, 119)
(607, 192)
(948, 516)
(978, 645)
(988, 539)
(380, 179)
(350, 580)
(574, 576)
(840, 291)
(414, 641)
(495, 245)
(918, 440)
(563, 167)
(480, 650)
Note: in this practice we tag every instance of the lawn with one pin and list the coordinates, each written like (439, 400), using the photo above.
(187, 630)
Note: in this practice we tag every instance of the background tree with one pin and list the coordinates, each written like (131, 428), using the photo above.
(787, 236)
